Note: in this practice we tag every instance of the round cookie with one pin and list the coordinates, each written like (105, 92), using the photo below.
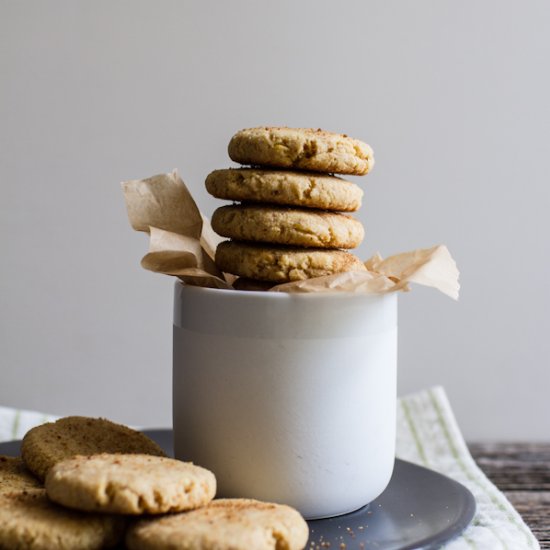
(282, 264)
(50, 443)
(129, 484)
(288, 226)
(232, 524)
(308, 190)
(302, 148)
(15, 478)
(29, 521)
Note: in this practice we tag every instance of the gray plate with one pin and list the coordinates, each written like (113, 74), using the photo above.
(418, 509)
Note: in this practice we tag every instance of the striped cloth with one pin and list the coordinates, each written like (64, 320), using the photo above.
(428, 435)
(14, 424)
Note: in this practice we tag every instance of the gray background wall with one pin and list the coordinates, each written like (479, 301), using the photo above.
(453, 97)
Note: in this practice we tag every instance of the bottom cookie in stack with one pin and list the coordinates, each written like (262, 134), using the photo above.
(30, 521)
(278, 264)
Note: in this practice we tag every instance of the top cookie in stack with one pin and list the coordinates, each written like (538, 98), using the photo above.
(290, 223)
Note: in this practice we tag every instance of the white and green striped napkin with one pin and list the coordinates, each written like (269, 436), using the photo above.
(14, 423)
(427, 434)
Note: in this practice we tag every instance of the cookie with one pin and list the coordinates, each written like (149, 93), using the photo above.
(288, 226)
(129, 484)
(29, 521)
(225, 524)
(50, 443)
(282, 264)
(15, 478)
(308, 190)
(302, 148)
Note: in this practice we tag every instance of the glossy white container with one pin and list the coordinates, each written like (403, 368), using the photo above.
(287, 398)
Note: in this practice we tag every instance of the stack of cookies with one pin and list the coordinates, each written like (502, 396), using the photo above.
(290, 224)
(87, 483)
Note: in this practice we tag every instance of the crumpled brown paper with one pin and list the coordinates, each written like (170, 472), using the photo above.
(183, 244)
(181, 241)
(433, 267)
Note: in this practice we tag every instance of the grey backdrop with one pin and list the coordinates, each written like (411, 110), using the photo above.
(453, 97)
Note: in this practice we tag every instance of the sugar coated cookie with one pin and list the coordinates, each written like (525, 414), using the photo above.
(225, 524)
(288, 226)
(304, 189)
(14, 476)
(129, 484)
(29, 521)
(282, 264)
(50, 443)
(302, 148)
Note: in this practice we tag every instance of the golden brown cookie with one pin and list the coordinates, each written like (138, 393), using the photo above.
(302, 148)
(129, 484)
(15, 478)
(282, 264)
(29, 521)
(308, 190)
(225, 524)
(50, 443)
(288, 226)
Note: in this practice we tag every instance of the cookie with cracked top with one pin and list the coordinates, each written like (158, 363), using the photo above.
(282, 264)
(301, 148)
(285, 187)
(129, 484)
(30, 521)
(288, 226)
(15, 478)
(49, 443)
(225, 524)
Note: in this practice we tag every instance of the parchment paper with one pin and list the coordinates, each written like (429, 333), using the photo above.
(183, 244)
(181, 241)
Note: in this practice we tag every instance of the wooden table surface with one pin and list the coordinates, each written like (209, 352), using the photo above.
(522, 472)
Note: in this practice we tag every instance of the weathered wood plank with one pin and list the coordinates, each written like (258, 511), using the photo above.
(534, 507)
(522, 472)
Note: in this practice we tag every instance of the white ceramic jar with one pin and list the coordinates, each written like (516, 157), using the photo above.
(287, 398)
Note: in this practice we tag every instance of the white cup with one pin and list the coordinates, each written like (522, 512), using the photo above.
(287, 398)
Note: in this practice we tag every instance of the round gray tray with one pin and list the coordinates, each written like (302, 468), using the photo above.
(419, 509)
